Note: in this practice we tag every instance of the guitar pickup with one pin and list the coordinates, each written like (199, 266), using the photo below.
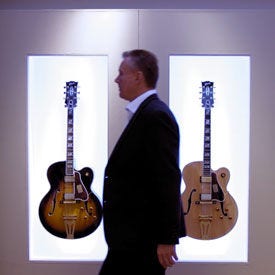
(206, 197)
(69, 178)
(205, 179)
(69, 197)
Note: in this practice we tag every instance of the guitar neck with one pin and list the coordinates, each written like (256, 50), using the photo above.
(206, 178)
(69, 169)
(207, 144)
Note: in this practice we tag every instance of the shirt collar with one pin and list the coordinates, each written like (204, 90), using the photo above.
(133, 105)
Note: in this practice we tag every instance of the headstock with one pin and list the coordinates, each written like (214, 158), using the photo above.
(207, 94)
(71, 94)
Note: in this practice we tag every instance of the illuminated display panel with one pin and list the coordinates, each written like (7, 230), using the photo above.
(230, 118)
(47, 130)
(47, 116)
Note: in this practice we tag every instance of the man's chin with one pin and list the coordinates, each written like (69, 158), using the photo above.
(121, 95)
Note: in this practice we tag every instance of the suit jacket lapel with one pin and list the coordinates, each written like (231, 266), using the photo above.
(132, 123)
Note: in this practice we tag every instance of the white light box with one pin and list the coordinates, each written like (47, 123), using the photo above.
(47, 141)
(230, 118)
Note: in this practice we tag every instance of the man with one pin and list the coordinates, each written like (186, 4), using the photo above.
(143, 218)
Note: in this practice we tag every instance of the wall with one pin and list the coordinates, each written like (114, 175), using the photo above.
(165, 32)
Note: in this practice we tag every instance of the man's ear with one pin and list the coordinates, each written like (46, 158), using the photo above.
(139, 76)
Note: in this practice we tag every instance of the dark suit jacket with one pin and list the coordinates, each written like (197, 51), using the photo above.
(141, 198)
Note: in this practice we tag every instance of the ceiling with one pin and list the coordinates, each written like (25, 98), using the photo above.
(137, 4)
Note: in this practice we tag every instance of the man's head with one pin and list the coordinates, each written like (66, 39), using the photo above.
(138, 73)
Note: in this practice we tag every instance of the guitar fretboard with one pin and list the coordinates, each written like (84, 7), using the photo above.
(206, 178)
(207, 144)
(70, 143)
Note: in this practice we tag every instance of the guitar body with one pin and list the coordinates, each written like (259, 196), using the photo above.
(207, 220)
(70, 218)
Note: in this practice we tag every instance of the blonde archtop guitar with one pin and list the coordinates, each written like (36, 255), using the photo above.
(210, 210)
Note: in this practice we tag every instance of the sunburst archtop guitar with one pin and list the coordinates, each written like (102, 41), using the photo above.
(70, 209)
(210, 210)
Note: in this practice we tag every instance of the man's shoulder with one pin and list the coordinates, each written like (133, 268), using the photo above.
(157, 106)
(155, 103)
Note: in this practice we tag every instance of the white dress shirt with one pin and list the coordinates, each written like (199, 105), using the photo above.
(133, 105)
